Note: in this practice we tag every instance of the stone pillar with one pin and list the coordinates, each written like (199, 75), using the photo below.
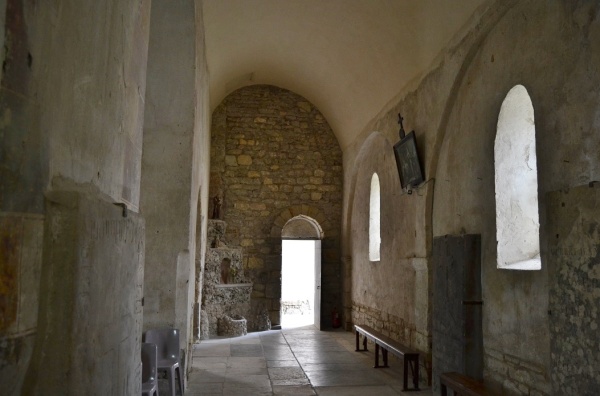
(71, 105)
(90, 316)
(22, 179)
(174, 164)
(346, 262)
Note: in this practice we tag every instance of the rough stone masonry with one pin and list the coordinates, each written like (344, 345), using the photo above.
(271, 152)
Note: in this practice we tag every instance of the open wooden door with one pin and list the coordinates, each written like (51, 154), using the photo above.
(317, 302)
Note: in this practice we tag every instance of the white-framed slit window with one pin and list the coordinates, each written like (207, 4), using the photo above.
(375, 220)
(516, 184)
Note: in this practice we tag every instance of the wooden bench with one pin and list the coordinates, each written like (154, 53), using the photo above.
(410, 356)
(463, 385)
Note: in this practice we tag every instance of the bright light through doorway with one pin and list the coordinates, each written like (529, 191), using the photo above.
(297, 283)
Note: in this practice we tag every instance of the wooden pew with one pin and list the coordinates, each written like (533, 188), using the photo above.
(463, 385)
(410, 356)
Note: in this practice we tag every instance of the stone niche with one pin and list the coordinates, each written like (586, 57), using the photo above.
(226, 291)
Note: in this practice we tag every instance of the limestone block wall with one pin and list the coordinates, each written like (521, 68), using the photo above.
(274, 155)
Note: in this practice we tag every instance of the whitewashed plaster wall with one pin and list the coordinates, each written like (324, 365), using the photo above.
(551, 50)
(393, 289)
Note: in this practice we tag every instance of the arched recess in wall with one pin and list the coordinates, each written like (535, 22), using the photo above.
(372, 289)
(516, 184)
(351, 191)
(375, 219)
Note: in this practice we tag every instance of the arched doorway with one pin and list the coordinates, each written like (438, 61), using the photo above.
(301, 272)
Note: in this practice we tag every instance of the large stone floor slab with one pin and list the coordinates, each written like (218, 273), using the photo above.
(292, 362)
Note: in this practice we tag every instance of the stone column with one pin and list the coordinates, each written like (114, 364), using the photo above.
(90, 315)
(71, 106)
(174, 164)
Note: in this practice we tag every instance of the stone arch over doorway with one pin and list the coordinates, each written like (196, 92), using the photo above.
(330, 252)
(304, 213)
(302, 227)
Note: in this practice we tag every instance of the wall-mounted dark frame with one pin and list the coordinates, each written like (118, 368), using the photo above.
(407, 161)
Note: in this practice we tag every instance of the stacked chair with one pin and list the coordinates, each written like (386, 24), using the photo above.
(149, 365)
(167, 358)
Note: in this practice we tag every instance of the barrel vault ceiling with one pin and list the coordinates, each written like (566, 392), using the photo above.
(348, 57)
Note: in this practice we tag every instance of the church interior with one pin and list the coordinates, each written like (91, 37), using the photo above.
(437, 163)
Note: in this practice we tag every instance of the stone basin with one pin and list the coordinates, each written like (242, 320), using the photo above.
(234, 326)
(228, 285)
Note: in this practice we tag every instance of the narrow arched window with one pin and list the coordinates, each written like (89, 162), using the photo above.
(374, 220)
(515, 163)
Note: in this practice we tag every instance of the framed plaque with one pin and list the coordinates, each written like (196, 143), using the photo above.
(407, 161)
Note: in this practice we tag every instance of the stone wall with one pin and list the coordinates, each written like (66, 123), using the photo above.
(395, 327)
(23, 175)
(575, 289)
(20, 265)
(90, 316)
(517, 328)
(225, 291)
(395, 287)
(273, 156)
(174, 184)
(552, 51)
(71, 104)
(391, 325)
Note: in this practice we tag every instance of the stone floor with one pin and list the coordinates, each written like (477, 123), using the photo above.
(300, 361)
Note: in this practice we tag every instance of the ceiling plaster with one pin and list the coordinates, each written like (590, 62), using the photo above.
(348, 57)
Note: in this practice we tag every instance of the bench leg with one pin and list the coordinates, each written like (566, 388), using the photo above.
(444, 389)
(416, 373)
(385, 357)
(384, 352)
(405, 376)
(414, 369)
(358, 343)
